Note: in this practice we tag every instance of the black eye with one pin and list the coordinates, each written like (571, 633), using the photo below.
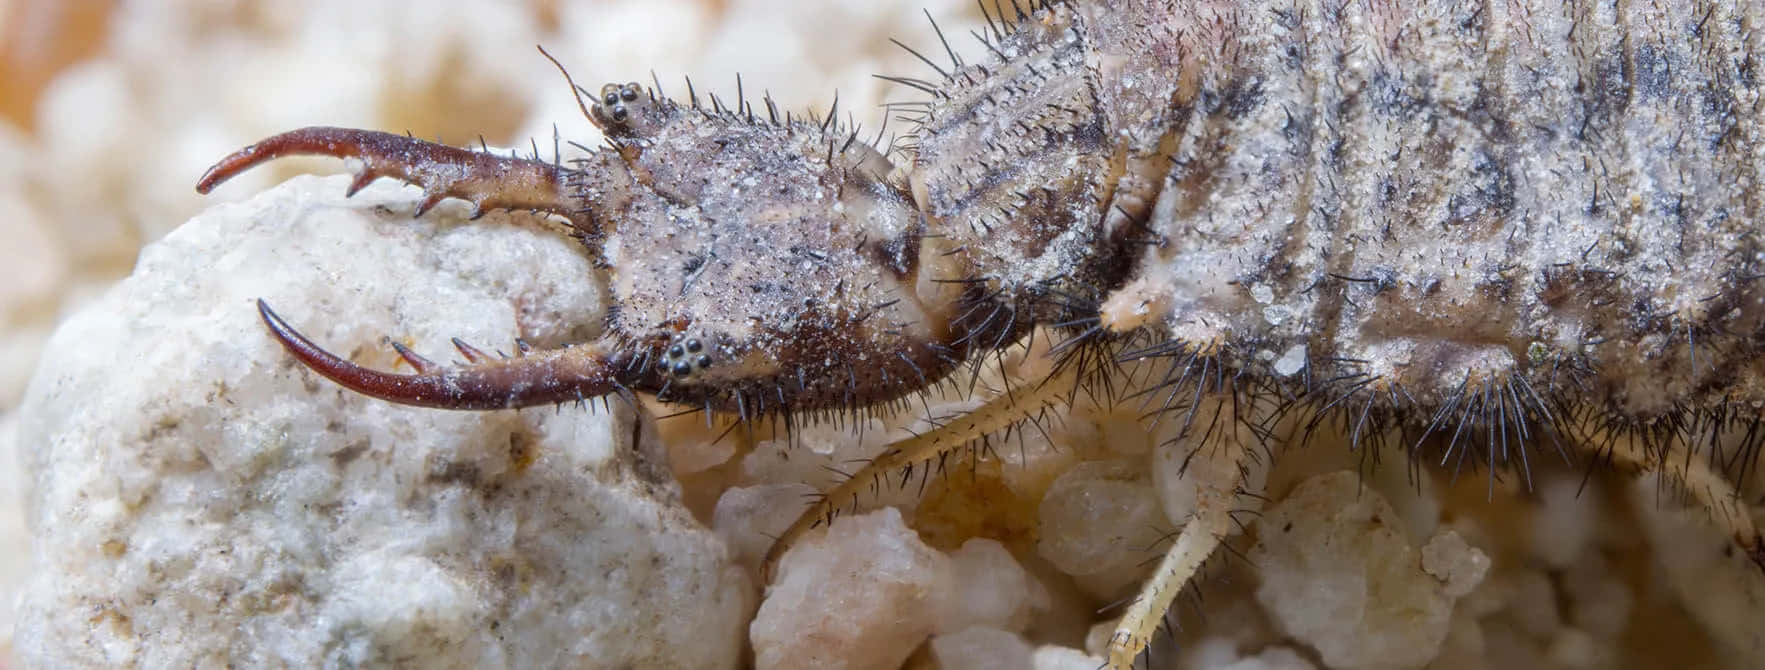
(619, 113)
(630, 93)
(694, 346)
(682, 369)
(676, 352)
(704, 362)
(610, 98)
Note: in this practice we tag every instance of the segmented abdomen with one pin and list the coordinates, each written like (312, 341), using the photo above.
(1553, 202)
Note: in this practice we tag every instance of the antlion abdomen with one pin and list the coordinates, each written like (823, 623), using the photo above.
(1417, 205)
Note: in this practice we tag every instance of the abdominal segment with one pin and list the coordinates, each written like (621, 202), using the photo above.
(1519, 210)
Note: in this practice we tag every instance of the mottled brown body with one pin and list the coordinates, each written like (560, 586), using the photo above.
(1494, 223)
(1486, 229)
(1421, 201)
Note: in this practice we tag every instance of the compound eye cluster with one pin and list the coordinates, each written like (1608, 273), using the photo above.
(684, 359)
(616, 103)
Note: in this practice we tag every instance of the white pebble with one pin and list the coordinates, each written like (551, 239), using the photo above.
(1564, 521)
(1272, 658)
(861, 595)
(1036, 457)
(1339, 575)
(990, 589)
(1210, 652)
(818, 454)
(750, 518)
(1098, 517)
(982, 649)
(1460, 567)
(1052, 657)
(1575, 649)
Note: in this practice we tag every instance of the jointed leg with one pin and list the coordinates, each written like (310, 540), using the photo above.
(1222, 465)
(999, 413)
(1688, 470)
(1195, 544)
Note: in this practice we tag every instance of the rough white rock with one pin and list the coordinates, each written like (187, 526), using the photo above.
(1037, 457)
(200, 499)
(1339, 575)
(1053, 657)
(1220, 653)
(982, 649)
(1208, 652)
(810, 450)
(1097, 637)
(751, 518)
(1099, 517)
(1273, 658)
(863, 594)
(12, 531)
(819, 456)
(1417, 499)
(990, 589)
(1459, 566)
(1573, 648)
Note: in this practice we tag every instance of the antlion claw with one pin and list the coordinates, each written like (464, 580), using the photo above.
(543, 378)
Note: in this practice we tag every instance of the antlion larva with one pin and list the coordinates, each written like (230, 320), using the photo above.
(1490, 232)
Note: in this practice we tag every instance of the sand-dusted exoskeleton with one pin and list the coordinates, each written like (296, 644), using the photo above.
(1497, 233)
